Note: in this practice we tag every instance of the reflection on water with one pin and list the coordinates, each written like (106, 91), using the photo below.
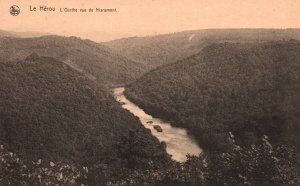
(178, 142)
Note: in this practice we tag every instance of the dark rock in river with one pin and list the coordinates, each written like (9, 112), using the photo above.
(157, 128)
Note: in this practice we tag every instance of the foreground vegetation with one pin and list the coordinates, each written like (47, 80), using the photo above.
(261, 164)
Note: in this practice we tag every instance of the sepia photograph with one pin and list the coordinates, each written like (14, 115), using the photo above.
(150, 93)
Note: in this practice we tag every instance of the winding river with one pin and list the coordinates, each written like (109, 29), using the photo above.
(178, 142)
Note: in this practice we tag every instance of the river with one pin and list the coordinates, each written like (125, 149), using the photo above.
(178, 142)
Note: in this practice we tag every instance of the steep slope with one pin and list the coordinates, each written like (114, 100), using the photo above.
(94, 60)
(154, 51)
(51, 112)
(248, 89)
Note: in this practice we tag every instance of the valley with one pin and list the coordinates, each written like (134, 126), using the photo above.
(188, 108)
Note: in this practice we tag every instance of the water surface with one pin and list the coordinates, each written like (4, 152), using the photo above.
(178, 142)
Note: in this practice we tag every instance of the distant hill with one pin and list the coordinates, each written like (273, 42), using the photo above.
(94, 60)
(154, 51)
(249, 89)
(4, 33)
(51, 112)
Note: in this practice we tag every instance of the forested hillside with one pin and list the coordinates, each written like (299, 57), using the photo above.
(92, 59)
(51, 113)
(154, 51)
(250, 90)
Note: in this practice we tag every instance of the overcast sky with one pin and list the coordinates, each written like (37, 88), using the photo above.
(148, 17)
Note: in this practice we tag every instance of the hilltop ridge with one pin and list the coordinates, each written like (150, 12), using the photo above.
(154, 51)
